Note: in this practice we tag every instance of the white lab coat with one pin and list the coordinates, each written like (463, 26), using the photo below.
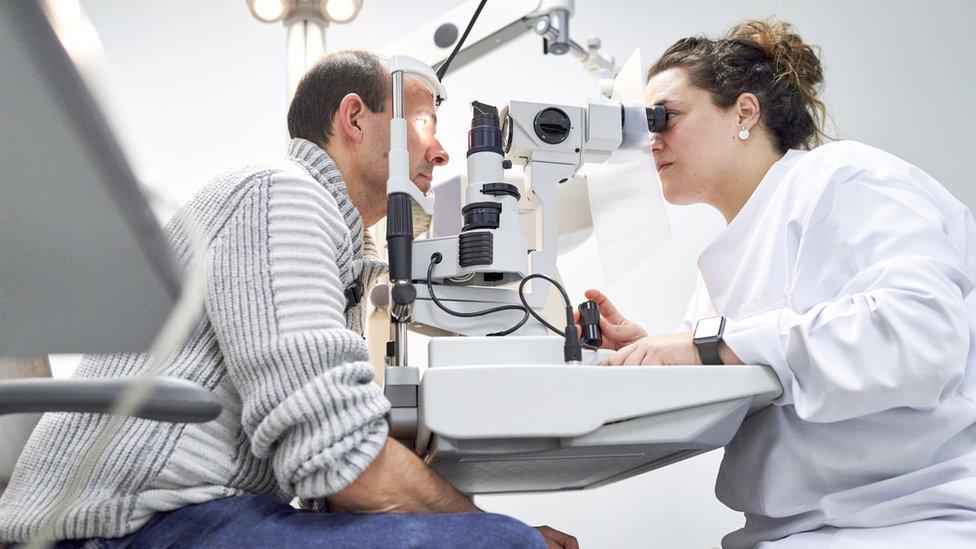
(851, 273)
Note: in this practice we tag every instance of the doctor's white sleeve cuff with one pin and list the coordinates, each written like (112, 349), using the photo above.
(756, 340)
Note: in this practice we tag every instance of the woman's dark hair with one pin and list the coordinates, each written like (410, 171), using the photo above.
(321, 90)
(767, 59)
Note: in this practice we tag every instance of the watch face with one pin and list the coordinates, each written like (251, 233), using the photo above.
(708, 327)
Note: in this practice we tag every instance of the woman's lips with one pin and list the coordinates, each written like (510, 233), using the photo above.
(661, 166)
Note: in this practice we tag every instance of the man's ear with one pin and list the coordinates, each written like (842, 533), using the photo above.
(748, 110)
(349, 118)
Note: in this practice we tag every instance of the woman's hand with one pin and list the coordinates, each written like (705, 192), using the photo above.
(664, 350)
(617, 331)
(677, 349)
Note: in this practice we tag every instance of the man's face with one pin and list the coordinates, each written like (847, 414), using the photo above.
(423, 147)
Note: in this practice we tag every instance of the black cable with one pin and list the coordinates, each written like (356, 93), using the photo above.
(513, 329)
(521, 293)
(572, 349)
(443, 68)
(434, 260)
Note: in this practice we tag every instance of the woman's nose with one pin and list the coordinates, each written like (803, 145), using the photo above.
(657, 143)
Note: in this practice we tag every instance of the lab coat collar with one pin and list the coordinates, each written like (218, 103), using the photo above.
(320, 165)
(718, 263)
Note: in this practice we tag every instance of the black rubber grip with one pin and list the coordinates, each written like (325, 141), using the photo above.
(399, 215)
(475, 249)
(399, 235)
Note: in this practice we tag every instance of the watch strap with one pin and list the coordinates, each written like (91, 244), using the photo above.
(708, 352)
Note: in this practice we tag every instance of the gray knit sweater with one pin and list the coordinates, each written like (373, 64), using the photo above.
(301, 416)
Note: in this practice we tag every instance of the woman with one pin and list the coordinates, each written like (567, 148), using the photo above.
(848, 271)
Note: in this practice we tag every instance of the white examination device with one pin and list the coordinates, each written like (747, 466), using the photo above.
(508, 408)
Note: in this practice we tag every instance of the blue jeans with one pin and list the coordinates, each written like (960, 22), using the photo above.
(257, 520)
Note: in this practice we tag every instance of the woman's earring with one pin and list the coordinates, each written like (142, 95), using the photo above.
(743, 133)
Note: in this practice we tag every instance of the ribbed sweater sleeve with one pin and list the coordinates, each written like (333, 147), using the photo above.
(275, 298)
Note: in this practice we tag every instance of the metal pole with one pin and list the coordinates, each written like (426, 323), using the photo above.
(399, 233)
(398, 94)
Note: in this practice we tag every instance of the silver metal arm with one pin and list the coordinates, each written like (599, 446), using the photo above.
(500, 22)
(170, 399)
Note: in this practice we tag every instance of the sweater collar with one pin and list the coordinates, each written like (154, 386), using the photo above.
(321, 166)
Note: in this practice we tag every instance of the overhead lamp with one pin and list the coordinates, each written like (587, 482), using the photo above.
(267, 11)
(328, 11)
(342, 11)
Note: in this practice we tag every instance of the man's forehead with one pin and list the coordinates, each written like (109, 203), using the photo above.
(418, 86)
(411, 82)
(419, 93)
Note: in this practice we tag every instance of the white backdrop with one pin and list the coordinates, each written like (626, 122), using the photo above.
(197, 86)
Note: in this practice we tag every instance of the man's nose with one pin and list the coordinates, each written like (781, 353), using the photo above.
(436, 154)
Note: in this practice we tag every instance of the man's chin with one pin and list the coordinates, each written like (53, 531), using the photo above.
(422, 183)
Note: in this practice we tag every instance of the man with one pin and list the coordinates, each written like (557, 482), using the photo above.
(281, 344)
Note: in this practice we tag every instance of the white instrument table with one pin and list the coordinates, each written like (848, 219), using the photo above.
(542, 427)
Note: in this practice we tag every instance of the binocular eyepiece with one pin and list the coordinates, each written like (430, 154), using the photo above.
(657, 118)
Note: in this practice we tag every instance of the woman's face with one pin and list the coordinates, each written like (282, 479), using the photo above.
(698, 149)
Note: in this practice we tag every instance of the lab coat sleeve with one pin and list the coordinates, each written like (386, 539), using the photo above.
(699, 306)
(896, 331)
(276, 301)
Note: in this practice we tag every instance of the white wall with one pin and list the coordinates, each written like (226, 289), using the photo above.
(200, 85)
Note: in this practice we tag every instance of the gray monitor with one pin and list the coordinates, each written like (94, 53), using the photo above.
(84, 265)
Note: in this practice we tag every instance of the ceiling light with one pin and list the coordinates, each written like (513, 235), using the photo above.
(342, 11)
(267, 11)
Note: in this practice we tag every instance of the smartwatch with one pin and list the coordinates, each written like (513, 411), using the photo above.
(708, 333)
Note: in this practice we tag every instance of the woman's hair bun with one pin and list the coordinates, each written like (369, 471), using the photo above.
(793, 58)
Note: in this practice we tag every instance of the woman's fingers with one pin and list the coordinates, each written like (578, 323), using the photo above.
(609, 341)
(635, 358)
(617, 359)
(625, 356)
(616, 336)
(605, 306)
(649, 359)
